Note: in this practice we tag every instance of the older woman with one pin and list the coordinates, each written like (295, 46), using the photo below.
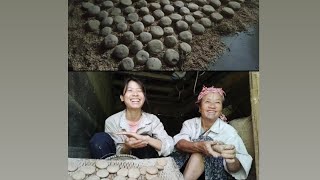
(209, 144)
(132, 131)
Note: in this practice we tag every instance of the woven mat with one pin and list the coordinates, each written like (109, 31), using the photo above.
(170, 171)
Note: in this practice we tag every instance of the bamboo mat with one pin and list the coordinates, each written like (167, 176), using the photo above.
(170, 171)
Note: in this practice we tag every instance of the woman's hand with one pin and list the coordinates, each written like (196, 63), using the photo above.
(134, 140)
(229, 153)
(142, 140)
(133, 135)
(206, 148)
(133, 143)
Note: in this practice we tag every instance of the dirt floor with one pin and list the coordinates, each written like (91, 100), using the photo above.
(86, 53)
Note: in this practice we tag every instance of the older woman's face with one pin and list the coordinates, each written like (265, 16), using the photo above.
(133, 97)
(211, 106)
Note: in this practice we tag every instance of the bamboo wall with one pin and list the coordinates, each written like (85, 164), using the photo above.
(255, 100)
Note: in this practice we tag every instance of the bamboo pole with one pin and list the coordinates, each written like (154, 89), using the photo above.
(255, 100)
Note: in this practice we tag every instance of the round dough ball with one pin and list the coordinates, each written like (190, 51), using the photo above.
(152, 170)
(159, 167)
(134, 173)
(156, 178)
(88, 169)
(113, 168)
(93, 177)
(119, 178)
(143, 170)
(79, 175)
(150, 176)
(72, 167)
(162, 162)
(123, 172)
(103, 173)
(101, 164)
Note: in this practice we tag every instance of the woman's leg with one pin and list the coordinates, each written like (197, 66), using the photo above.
(180, 159)
(194, 167)
(214, 169)
(101, 146)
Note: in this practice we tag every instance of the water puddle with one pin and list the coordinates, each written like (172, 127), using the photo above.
(242, 53)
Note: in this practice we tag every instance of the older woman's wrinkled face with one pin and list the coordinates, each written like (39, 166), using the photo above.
(211, 106)
(133, 96)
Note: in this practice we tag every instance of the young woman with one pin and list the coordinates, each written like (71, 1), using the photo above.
(210, 145)
(132, 131)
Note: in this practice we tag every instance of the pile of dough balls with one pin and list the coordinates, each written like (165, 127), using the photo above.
(102, 171)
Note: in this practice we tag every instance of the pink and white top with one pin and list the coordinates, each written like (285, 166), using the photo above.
(149, 124)
(133, 126)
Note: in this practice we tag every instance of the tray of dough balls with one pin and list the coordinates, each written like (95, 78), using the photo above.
(139, 169)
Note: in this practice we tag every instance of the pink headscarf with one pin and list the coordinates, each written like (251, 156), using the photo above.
(205, 90)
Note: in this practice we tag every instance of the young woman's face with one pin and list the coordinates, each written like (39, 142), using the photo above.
(211, 106)
(133, 97)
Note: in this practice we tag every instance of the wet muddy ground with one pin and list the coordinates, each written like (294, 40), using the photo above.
(85, 52)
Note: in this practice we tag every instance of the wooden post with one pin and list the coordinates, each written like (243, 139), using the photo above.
(254, 78)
